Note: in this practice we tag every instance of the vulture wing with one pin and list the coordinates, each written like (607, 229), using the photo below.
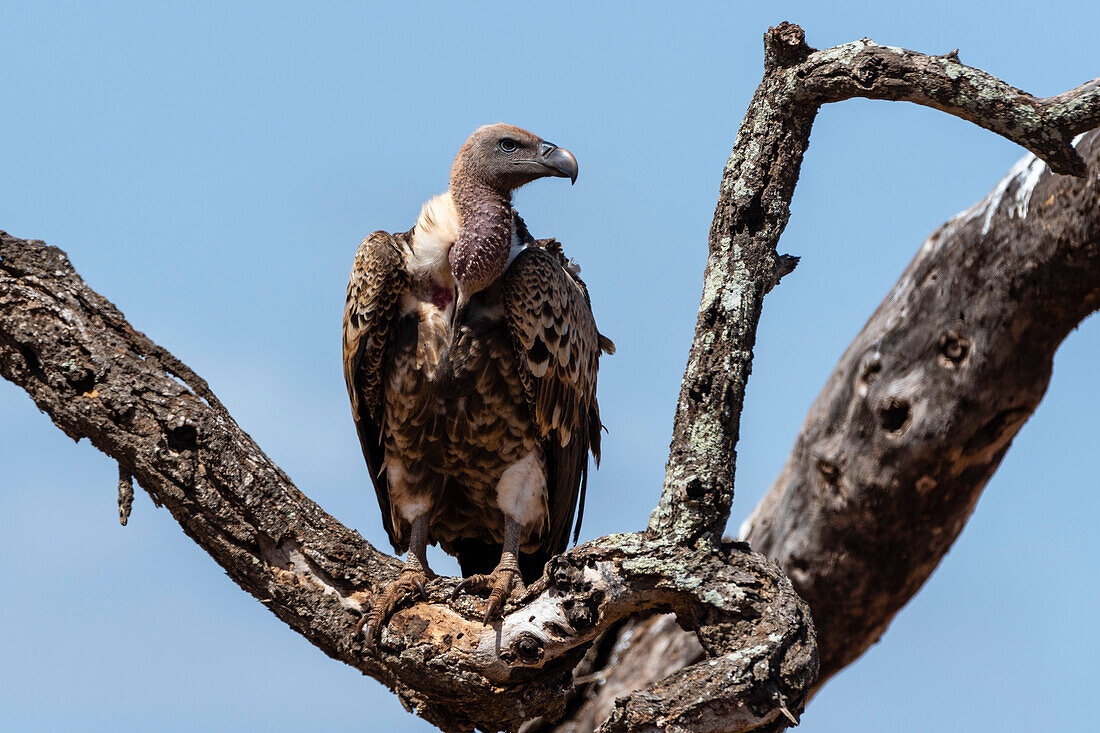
(378, 278)
(550, 320)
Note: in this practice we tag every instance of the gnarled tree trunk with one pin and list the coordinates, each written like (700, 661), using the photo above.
(912, 423)
(97, 377)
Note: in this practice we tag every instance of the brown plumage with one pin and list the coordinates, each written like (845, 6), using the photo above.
(470, 354)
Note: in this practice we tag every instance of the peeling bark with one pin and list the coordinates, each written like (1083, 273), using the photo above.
(97, 377)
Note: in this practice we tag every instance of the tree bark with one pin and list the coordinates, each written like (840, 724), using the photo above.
(926, 401)
(912, 423)
(753, 209)
(97, 377)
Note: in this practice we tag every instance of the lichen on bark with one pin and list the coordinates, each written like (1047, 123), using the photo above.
(165, 427)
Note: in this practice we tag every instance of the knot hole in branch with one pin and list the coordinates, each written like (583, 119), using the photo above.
(872, 367)
(183, 438)
(867, 70)
(30, 360)
(893, 414)
(953, 348)
(81, 380)
(694, 488)
(526, 648)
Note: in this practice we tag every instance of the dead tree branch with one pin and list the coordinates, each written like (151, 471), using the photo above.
(85, 366)
(97, 377)
(753, 209)
(926, 401)
(962, 350)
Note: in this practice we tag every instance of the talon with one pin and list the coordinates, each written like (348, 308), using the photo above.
(458, 588)
(500, 583)
(410, 581)
(502, 589)
(491, 609)
(471, 582)
(503, 581)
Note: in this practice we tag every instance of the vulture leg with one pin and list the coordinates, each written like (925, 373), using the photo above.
(505, 578)
(413, 577)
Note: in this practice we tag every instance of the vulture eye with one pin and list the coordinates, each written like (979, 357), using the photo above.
(508, 145)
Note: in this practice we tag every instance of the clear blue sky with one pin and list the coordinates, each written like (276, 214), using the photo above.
(211, 170)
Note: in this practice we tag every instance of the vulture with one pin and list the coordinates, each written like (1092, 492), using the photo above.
(470, 356)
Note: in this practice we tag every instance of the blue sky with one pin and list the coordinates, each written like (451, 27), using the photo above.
(211, 168)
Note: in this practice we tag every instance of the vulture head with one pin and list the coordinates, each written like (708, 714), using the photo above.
(504, 157)
(494, 161)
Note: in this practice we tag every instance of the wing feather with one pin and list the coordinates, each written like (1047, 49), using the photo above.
(558, 346)
(378, 277)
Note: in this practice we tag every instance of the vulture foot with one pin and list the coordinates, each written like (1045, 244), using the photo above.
(501, 584)
(411, 580)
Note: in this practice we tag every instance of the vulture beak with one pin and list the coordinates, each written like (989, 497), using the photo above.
(558, 161)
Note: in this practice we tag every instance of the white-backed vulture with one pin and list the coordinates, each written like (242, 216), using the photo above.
(470, 355)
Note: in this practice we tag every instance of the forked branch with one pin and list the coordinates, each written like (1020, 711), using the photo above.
(911, 425)
(97, 377)
(753, 209)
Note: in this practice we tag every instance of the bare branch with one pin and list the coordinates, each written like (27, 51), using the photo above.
(845, 549)
(642, 652)
(753, 209)
(97, 377)
(926, 401)
(1046, 127)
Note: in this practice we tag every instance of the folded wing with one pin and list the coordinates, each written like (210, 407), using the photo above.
(378, 278)
(557, 346)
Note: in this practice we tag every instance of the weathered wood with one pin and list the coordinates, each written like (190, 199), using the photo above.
(97, 377)
(966, 338)
(640, 653)
(753, 209)
(926, 401)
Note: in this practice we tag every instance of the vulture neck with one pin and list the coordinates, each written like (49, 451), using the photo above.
(480, 253)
